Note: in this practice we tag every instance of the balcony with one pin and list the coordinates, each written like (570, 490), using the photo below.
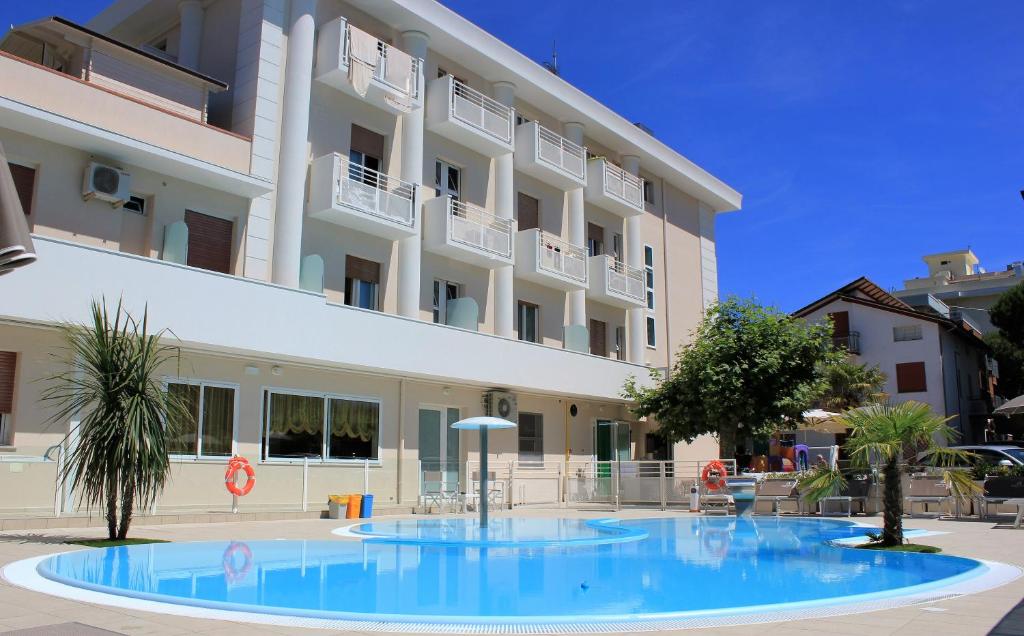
(549, 157)
(395, 77)
(548, 260)
(361, 199)
(614, 283)
(467, 233)
(468, 117)
(850, 342)
(611, 188)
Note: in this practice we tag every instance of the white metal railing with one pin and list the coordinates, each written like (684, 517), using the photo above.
(391, 77)
(479, 229)
(561, 153)
(622, 185)
(625, 280)
(376, 193)
(560, 257)
(484, 113)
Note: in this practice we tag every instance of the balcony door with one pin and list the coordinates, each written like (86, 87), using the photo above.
(595, 239)
(448, 180)
(439, 443)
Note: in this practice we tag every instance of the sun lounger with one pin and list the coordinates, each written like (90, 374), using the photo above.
(716, 502)
(774, 492)
(926, 490)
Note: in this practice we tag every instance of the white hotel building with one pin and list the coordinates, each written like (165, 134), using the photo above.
(359, 219)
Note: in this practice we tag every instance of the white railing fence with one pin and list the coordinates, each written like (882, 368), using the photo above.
(480, 111)
(376, 193)
(560, 257)
(405, 81)
(478, 228)
(561, 153)
(626, 280)
(623, 185)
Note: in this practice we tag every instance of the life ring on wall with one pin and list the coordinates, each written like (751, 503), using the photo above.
(236, 464)
(232, 574)
(713, 475)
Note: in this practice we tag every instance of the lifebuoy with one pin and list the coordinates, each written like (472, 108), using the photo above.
(236, 464)
(713, 475)
(232, 574)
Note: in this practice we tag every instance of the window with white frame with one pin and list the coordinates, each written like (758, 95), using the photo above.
(207, 426)
(531, 437)
(319, 426)
(444, 292)
(649, 288)
(648, 192)
(620, 343)
(529, 321)
(651, 335)
(448, 179)
(903, 333)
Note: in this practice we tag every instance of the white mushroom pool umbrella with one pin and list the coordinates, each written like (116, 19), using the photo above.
(15, 243)
(1013, 407)
(483, 424)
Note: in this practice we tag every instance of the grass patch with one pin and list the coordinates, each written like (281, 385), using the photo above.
(113, 543)
(906, 547)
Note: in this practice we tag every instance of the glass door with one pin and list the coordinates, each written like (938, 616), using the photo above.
(439, 443)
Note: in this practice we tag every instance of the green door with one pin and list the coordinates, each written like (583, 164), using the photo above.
(604, 450)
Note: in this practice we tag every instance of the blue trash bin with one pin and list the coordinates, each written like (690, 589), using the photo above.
(367, 507)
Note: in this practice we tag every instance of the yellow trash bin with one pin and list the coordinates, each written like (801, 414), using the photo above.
(354, 502)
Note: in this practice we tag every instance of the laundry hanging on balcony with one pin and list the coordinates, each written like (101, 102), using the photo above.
(364, 56)
(398, 73)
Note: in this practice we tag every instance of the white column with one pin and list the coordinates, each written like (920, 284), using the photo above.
(577, 230)
(409, 249)
(190, 35)
(293, 160)
(636, 323)
(504, 207)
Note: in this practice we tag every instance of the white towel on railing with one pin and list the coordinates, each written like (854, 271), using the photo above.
(398, 70)
(363, 59)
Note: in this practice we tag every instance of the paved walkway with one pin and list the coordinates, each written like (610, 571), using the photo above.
(30, 613)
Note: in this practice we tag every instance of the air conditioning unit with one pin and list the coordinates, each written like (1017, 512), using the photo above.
(501, 404)
(106, 183)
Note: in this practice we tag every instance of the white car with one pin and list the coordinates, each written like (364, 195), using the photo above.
(1004, 455)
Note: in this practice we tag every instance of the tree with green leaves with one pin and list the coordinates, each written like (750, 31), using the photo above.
(1007, 344)
(749, 368)
(885, 434)
(119, 459)
(851, 385)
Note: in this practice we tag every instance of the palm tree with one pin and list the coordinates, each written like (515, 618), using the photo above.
(851, 385)
(119, 459)
(885, 434)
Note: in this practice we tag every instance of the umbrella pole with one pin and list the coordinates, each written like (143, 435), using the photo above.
(483, 477)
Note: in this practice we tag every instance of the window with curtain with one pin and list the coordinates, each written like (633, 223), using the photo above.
(207, 428)
(320, 427)
(354, 426)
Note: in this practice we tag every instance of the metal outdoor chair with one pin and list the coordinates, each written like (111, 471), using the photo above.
(435, 490)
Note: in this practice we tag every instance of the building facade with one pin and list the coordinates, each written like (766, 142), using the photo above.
(359, 221)
(926, 356)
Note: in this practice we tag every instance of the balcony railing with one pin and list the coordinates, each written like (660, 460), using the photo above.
(622, 185)
(484, 113)
(625, 280)
(561, 258)
(561, 153)
(850, 342)
(376, 194)
(391, 69)
(479, 229)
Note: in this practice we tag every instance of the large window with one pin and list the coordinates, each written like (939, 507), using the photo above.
(904, 333)
(362, 283)
(447, 179)
(529, 322)
(208, 427)
(444, 292)
(531, 437)
(320, 426)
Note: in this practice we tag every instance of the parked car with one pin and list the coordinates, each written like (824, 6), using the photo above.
(1001, 455)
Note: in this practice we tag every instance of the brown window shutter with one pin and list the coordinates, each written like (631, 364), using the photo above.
(362, 269)
(25, 184)
(8, 363)
(528, 212)
(209, 242)
(840, 324)
(367, 142)
(910, 377)
(598, 338)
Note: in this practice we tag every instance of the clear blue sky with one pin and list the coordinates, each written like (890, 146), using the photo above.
(861, 134)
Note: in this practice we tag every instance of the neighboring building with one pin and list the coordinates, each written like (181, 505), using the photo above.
(362, 221)
(926, 356)
(965, 288)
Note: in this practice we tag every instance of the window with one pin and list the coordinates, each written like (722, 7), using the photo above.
(598, 338)
(906, 332)
(651, 335)
(208, 430)
(24, 184)
(649, 275)
(135, 204)
(527, 212)
(529, 322)
(531, 437)
(8, 365)
(209, 242)
(617, 250)
(840, 323)
(620, 343)
(447, 179)
(648, 192)
(595, 239)
(320, 426)
(362, 283)
(366, 150)
(910, 378)
(520, 120)
(444, 291)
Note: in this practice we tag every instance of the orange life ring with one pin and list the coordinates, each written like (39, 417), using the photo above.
(236, 464)
(713, 475)
(232, 574)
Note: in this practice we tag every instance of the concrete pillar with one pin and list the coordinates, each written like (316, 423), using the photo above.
(190, 36)
(410, 249)
(504, 207)
(293, 160)
(636, 321)
(577, 230)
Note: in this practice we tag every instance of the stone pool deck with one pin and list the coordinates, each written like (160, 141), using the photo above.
(23, 611)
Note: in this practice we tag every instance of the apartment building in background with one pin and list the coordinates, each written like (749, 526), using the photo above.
(360, 221)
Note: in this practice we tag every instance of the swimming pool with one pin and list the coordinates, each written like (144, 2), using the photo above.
(442, 575)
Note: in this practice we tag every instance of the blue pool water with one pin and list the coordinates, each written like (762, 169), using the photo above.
(667, 567)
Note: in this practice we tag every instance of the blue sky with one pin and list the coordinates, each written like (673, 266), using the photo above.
(861, 134)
